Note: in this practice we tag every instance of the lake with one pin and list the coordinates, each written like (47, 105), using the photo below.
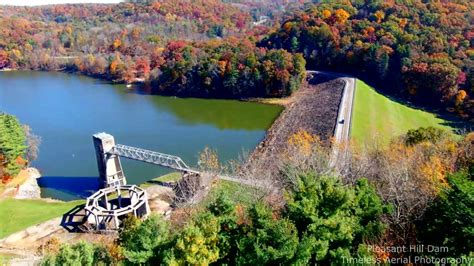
(65, 110)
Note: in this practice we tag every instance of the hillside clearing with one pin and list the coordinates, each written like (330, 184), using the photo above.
(238, 193)
(377, 117)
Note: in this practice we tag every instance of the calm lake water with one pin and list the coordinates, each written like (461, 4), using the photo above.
(65, 110)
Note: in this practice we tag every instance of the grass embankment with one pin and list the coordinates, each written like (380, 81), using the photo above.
(171, 177)
(379, 118)
(16, 215)
(235, 191)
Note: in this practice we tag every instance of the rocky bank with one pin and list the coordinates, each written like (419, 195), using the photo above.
(30, 188)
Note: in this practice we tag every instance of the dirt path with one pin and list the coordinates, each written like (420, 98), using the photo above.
(24, 244)
(314, 108)
(29, 237)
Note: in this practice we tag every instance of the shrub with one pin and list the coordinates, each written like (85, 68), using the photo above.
(140, 240)
(422, 134)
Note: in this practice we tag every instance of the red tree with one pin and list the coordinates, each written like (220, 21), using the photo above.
(3, 59)
(142, 67)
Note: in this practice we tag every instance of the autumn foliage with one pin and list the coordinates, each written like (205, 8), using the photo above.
(145, 42)
(422, 50)
(228, 69)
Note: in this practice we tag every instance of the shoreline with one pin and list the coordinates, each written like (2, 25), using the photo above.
(27, 189)
(140, 83)
(30, 188)
(297, 111)
(23, 186)
(284, 102)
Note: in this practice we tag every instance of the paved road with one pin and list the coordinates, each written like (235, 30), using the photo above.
(342, 130)
(344, 118)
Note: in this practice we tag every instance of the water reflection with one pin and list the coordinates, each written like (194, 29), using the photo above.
(223, 114)
(65, 110)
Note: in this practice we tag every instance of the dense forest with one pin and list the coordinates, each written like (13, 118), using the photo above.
(220, 69)
(184, 48)
(423, 50)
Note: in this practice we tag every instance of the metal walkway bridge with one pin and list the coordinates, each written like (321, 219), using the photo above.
(110, 167)
(153, 157)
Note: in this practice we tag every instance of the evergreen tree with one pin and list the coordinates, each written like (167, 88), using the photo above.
(12, 143)
(224, 209)
(266, 240)
(333, 219)
(449, 221)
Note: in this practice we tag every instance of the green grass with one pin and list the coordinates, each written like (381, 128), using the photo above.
(238, 193)
(16, 215)
(5, 258)
(171, 177)
(175, 176)
(378, 118)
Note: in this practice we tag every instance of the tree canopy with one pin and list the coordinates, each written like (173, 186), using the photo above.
(324, 221)
(12, 145)
(420, 49)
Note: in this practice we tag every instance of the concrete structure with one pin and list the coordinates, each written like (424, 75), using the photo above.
(110, 168)
(108, 207)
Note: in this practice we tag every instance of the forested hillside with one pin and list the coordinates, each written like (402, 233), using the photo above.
(320, 201)
(423, 50)
(187, 48)
(223, 69)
